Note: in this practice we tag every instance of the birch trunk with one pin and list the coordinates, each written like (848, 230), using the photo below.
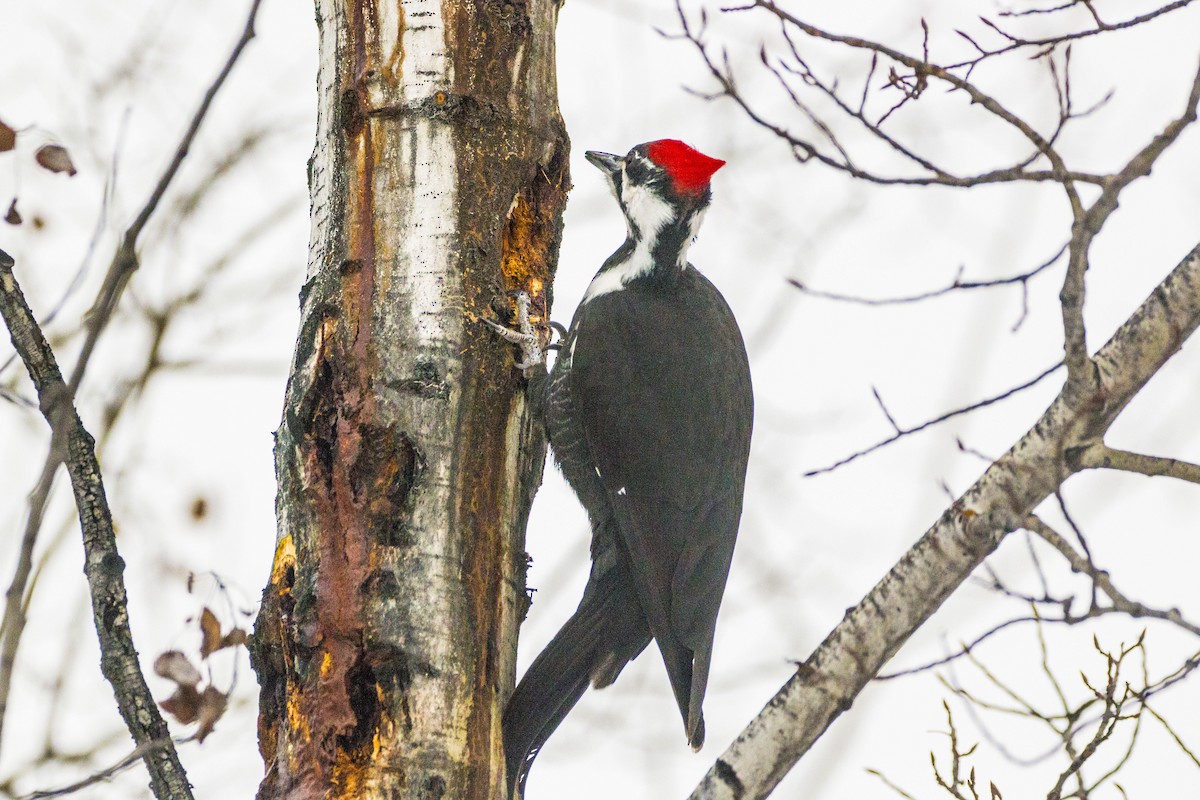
(407, 456)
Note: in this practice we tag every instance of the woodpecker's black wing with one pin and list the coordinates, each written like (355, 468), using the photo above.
(661, 384)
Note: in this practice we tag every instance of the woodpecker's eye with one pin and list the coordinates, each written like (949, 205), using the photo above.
(638, 170)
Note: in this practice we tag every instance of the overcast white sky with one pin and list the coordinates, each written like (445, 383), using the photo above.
(106, 77)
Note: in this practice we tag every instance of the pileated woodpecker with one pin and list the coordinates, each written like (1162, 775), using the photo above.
(648, 410)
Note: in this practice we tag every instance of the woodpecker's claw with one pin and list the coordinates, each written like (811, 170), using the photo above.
(561, 330)
(525, 335)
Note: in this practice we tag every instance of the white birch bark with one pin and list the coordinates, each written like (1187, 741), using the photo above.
(407, 457)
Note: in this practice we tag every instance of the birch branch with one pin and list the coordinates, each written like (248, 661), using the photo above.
(1101, 456)
(968, 531)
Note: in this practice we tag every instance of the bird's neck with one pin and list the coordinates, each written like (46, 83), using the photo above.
(667, 246)
(655, 249)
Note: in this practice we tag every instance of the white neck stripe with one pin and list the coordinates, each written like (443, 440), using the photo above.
(646, 214)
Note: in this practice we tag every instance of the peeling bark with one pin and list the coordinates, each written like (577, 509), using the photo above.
(408, 455)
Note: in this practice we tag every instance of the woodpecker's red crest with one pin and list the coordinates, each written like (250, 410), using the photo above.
(690, 170)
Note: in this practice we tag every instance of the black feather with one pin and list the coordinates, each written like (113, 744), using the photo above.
(604, 634)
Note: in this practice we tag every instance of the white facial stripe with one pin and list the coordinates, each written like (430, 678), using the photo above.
(645, 209)
(646, 214)
(614, 278)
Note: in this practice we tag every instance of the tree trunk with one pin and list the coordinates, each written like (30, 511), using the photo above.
(407, 456)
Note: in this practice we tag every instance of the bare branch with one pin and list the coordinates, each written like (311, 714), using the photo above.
(125, 260)
(124, 263)
(1171, 732)
(902, 432)
(1089, 224)
(911, 86)
(1017, 43)
(891, 785)
(962, 652)
(137, 754)
(956, 762)
(1120, 603)
(103, 564)
(1113, 706)
(957, 284)
(948, 553)
(13, 623)
(883, 408)
(1101, 456)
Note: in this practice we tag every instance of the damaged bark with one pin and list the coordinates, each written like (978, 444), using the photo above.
(408, 456)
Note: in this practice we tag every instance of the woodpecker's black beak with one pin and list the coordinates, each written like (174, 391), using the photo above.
(605, 162)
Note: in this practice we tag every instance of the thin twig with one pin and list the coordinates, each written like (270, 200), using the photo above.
(962, 651)
(132, 758)
(1017, 43)
(890, 784)
(1088, 225)
(1083, 565)
(958, 284)
(103, 565)
(935, 421)
(911, 85)
(125, 261)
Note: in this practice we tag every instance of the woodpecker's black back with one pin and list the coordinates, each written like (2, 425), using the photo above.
(649, 413)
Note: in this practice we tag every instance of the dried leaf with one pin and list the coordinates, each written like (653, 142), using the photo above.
(210, 628)
(212, 708)
(185, 705)
(235, 638)
(175, 666)
(199, 509)
(13, 217)
(8, 138)
(54, 157)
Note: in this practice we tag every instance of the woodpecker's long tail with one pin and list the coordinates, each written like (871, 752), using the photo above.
(601, 637)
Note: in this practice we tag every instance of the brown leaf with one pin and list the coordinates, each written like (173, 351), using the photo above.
(55, 158)
(212, 708)
(199, 508)
(210, 628)
(174, 666)
(13, 217)
(235, 638)
(8, 137)
(185, 705)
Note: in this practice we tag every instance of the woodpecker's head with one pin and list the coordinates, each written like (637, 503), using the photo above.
(659, 183)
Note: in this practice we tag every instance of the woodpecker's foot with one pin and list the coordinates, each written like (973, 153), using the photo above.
(526, 336)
